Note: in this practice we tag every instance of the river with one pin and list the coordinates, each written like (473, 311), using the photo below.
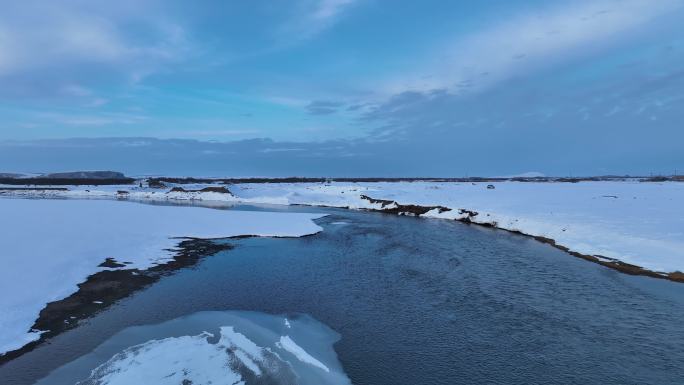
(419, 301)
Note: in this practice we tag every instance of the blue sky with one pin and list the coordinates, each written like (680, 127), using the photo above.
(430, 87)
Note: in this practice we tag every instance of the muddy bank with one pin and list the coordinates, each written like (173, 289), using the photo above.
(392, 207)
(608, 262)
(106, 287)
(220, 190)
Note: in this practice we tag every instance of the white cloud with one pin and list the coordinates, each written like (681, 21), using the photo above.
(327, 9)
(311, 18)
(75, 90)
(88, 121)
(529, 41)
(40, 35)
(82, 36)
(97, 102)
(217, 133)
(287, 101)
(5, 50)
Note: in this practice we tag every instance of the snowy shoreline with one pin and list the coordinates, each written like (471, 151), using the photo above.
(633, 226)
(86, 254)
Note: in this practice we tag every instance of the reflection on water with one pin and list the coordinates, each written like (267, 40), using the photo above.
(212, 348)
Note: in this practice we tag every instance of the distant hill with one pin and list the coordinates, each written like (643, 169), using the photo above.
(10, 175)
(68, 178)
(86, 175)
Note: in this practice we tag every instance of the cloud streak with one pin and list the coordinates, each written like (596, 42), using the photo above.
(323, 107)
(312, 17)
(325, 10)
(530, 41)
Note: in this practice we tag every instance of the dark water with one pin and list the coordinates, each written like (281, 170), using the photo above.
(423, 302)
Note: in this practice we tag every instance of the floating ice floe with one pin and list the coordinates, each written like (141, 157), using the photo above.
(212, 348)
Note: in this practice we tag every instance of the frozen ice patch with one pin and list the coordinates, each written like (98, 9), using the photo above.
(287, 344)
(211, 348)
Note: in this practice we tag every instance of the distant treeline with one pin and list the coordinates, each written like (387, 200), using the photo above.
(155, 181)
(161, 180)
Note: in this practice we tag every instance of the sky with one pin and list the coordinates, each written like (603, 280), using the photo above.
(343, 87)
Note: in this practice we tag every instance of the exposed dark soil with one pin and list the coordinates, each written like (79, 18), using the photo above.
(111, 263)
(153, 183)
(403, 209)
(104, 288)
(610, 262)
(217, 189)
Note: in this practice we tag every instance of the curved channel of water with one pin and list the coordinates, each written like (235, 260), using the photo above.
(420, 301)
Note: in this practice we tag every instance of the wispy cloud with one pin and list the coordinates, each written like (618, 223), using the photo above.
(313, 17)
(325, 10)
(97, 102)
(95, 120)
(323, 107)
(529, 41)
(215, 133)
(75, 90)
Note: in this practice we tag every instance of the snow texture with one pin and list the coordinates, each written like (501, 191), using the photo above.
(171, 361)
(49, 246)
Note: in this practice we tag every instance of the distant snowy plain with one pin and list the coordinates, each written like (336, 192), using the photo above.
(640, 223)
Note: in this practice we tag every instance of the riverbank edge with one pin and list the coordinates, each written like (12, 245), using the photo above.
(107, 287)
(396, 208)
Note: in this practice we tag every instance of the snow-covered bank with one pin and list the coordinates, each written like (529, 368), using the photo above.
(49, 246)
(636, 222)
